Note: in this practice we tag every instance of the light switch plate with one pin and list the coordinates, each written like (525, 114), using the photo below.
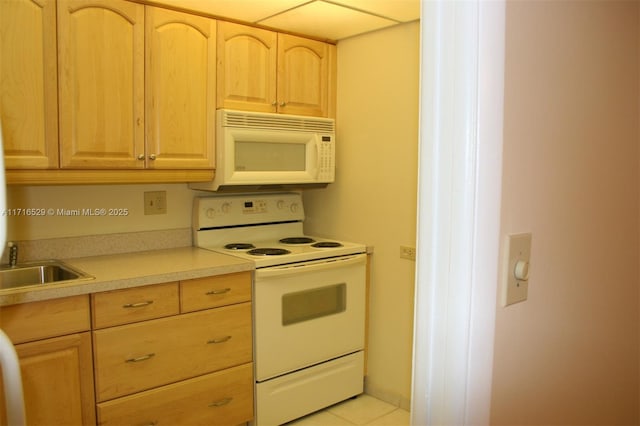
(518, 248)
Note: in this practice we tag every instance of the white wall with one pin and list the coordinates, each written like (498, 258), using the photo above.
(374, 198)
(130, 197)
(569, 354)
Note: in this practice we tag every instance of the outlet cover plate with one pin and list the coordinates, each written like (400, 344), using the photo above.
(155, 202)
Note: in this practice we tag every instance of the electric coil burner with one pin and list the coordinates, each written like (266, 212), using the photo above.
(239, 246)
(308, 301)
(327, 244)
(267, 251)
(296, 240)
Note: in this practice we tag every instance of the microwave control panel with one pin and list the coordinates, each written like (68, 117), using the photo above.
(326, 159)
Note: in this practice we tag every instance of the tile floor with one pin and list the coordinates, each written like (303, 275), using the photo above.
(362, 410)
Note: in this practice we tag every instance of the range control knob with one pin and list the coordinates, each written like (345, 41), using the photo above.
(280, 204)
(210, 213)
(294, 207)
(225, 208)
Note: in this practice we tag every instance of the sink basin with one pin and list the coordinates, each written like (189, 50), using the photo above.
(40, 273)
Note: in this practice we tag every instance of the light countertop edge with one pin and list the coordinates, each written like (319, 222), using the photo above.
(120, 271)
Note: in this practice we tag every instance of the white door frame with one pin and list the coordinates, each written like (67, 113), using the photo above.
(459, 190)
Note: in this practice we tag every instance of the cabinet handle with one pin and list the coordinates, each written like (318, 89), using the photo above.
(152, 156)
(219, 340)
(283, 104)
(141, 157)
(218, 291)
(220, 403)
(141, 358)
(138, 304)
(274, 103)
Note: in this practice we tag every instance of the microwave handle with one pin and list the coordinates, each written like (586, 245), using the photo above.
(314, 266)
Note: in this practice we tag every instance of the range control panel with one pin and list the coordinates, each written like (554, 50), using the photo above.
(250, 209)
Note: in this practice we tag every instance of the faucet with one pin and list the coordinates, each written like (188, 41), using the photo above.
(13, 253)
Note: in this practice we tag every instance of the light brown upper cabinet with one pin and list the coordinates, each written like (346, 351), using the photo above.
(120, 61)
(180, 89)
(28, 83)
(101, 78)
(264, 71)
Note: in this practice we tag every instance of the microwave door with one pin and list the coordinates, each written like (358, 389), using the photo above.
(257, 157)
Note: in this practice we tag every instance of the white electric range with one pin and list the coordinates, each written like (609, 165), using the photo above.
(309, 301)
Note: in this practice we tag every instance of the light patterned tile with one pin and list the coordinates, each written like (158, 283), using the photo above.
(362, 410)
(321, 418)
(397, 417)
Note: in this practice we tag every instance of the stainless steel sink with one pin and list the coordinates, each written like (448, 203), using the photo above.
(39, 273)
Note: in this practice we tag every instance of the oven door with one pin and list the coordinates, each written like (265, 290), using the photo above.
(308, 313)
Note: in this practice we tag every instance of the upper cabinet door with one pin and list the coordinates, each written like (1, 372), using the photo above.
(246, 68)
(101, 78)
(305, 76)
(28, 83)
(180, 89)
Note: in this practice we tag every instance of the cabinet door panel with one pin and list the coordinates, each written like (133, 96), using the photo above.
(57, 381)
(28, 83)
(304, 72)
(101, 76)
(180, 89)
(246, 68)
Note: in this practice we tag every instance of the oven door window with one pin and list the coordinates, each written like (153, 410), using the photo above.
(313, 303)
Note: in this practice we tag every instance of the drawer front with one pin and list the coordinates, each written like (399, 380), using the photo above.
(136, 357)
(211, 292)
(221, 398)
(135, 304)
(49, 318)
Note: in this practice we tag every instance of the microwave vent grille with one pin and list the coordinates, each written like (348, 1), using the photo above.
(277, 122)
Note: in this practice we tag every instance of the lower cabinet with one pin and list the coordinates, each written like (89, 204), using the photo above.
(177, 354)
(57, 372)
(57, 380)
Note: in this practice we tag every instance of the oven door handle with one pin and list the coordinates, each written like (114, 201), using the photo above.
(311, 266)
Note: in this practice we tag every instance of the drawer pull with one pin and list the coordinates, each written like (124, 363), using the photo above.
(220, 403)
(219, 291)
(138, 305)
(141, 358)
(219, 340)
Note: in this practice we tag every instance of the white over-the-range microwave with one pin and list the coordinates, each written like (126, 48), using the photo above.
(256, 151)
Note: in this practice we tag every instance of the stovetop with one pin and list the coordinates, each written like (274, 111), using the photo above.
(264, 228)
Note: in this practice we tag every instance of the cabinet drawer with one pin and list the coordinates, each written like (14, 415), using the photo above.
(211, 292)
(134, 304)
(221, 398)
(139, 356)
(49, 318)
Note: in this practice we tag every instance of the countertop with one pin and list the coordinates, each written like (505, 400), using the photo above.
(118, 271)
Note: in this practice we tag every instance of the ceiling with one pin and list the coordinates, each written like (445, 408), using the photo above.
(323, 19)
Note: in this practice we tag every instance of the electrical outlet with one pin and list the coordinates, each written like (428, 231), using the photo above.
(155, 202)
(408, 252)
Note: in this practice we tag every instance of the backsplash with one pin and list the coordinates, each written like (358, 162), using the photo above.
(96, 245)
